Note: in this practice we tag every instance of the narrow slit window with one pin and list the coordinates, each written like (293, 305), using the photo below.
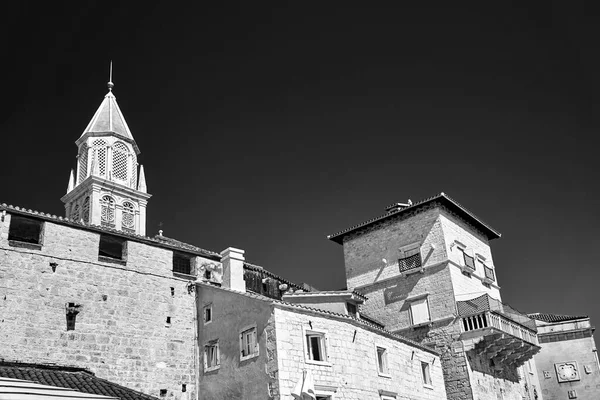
(207, 313)
(382, 365)
(425, 370)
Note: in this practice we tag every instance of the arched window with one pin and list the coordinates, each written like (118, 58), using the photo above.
(86, 210)
(83, 163)
(120, 155)
(100, 155)
(128, 217)
(75, 213)
(107, 212)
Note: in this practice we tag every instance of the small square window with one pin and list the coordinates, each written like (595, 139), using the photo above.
(182, 263)
(25, 230)
(425, 370)
(248, 343)
(207, 314)
(382, 363)
(112, 247)
(316, 346)
(352, 309)
(211, 356)
(419, 312)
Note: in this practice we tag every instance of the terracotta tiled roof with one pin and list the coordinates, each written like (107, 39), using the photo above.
(490, 232)
(556, 317)
(72, 378)
(258, 268)
(169, 243)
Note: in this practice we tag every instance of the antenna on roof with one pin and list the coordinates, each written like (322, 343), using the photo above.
(110, 83)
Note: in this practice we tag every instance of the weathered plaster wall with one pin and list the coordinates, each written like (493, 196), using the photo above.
(352, 369)
(237, 379)
(364, 252)
(121, 332)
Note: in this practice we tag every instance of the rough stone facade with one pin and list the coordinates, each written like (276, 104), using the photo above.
(351, 370)
(372, 267)
(121, 329)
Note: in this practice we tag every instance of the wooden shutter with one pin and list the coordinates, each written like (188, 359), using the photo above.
(420, 311)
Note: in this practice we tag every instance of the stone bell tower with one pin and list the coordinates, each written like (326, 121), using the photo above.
(106, 189)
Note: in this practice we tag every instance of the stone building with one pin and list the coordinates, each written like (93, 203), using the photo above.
(428, 271)
(568, 362)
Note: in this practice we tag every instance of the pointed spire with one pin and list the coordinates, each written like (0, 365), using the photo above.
(71, 182)
(142, 182)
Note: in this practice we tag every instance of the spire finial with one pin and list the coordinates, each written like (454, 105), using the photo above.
(110, 84)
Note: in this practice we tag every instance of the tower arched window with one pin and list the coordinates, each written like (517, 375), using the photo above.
(86, 210)
(83, 163)
(100, 156)
(119, 161)
(107, 211)
(75, 213)
(128, 217)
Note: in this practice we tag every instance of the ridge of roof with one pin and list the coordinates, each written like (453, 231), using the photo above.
(555, 317)
(371, 325)
(490, 232)
(258, 268)
(101, 229)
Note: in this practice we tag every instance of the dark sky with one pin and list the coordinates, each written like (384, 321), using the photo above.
(267, 127)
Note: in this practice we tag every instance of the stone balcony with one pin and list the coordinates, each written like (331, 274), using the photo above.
(495, 330)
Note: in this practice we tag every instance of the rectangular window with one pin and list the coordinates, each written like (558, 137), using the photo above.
(248, 344)
(207, 314)
(468, 259)
(426, 373)
(351, 308)
(382, 365)
(182, 263)
(411, 259)
(489, 273)
(419, 312)
(211, 356)
(315, 346)
(25, 230)
(112, 247)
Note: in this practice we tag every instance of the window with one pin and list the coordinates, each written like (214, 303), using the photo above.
(316, 349)
(120, 156)
(83, 163)
(25, 230)
(207, 314)
(99, 158)
(248, 343)
(489, 273)
(107, 211)
(410, 258)
(351, 308)
(112, 247)
(426, 374)
(182, 263)
(468, 259)
(382, 363)
(207, 275)
(419, 312)
(86, 210)
(128, 217)
(212, 359)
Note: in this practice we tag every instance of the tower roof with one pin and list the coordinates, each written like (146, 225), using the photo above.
(109, 120)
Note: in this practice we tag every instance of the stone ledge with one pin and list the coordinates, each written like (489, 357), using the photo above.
(25, 245)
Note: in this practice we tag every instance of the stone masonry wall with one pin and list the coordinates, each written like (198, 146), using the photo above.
(121, 332)
(351, 370)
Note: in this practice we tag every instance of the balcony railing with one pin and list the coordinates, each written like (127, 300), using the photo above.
(489, 319)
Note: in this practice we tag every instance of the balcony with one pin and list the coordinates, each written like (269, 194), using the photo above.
(497, 331)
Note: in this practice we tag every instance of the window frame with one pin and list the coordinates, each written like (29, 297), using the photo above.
(385, 372)
(180, 255)
(408, 251)
(204, 309)
(254, 331)
(414, 300)
(17, 241)
(106, 258)
(426, 374)
(210, 344)
(324, 342)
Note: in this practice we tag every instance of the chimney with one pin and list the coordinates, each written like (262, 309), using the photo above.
(233, 269)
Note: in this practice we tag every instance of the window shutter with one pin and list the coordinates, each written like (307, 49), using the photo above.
(420, 311)
(254, 346)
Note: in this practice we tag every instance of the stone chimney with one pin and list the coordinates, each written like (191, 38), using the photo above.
(233, 269)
